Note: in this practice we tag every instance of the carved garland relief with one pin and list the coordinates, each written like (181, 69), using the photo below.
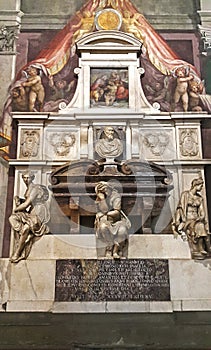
(62, 143)
(156, 142)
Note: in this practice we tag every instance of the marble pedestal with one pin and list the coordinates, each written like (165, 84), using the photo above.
(29, 286)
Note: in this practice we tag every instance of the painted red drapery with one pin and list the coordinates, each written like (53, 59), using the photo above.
(54, 57)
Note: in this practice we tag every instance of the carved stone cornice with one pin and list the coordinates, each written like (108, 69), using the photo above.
(46, 21)
(206, 38)
(10, 17)
(173, 21)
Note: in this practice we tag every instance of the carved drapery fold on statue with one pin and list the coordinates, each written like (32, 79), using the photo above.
(29, 218)
(111, 224)
(190, 221)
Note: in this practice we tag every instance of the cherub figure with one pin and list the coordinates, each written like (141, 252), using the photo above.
(19, 99)
(159, 93)
(131, 24)
(36, 90)
(181, 91)
(113, 3)
(96, 95)
(86, 25)
(60, 88)
(194, 91)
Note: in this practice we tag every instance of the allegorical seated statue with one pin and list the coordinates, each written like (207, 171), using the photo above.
(29, 217)
(111, 224)
(108, 146)
(190, 221)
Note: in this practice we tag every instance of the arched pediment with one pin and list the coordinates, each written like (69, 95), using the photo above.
(109, 39)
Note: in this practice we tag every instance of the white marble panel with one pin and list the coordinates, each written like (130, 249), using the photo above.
(135, 141)
(190, 280)
(189, 141)
(4, 282)
(84, 246)
(64, 247)
(32, 280)
(3, 196)
(186, 174)
(196, 305)
(160, 306)
(79, 307)
(29, 306)
(158, 143)
(157, 247)
(128, 306)
(175, 192)
(177, 305)
(113, 307)
(61, 143)
(30, 143)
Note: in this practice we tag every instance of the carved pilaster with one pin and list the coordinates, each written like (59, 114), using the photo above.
(10, 19)
(74, 215)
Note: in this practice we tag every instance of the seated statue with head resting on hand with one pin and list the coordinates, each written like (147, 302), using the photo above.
(111, 224)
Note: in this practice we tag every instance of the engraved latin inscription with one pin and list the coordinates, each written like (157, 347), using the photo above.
(112, 280)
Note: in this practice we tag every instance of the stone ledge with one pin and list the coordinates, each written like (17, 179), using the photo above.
(152, 246)
(29, 306)
(107, 307)
(88, 307)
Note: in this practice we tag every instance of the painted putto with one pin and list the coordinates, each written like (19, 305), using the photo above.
(47, 81)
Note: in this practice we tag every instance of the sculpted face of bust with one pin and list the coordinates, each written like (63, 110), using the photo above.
(109, 146)
(109, 132)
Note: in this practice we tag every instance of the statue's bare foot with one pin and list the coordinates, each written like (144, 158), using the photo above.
(15, 258)
(108, 254)
(116, 256)
(203, 252)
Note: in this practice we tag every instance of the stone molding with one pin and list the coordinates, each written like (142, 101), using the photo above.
(44, 21)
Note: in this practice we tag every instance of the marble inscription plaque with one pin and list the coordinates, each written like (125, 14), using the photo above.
(110, 280)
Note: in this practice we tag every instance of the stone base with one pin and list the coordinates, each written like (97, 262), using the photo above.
(29, 286)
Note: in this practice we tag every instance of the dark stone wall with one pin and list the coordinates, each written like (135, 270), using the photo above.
(152, 7)
(162, 14)
(51, 7)
(175, 331)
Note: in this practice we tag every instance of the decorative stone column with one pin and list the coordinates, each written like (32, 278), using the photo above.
(205, 13)
(205, 30)
(10, 18)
